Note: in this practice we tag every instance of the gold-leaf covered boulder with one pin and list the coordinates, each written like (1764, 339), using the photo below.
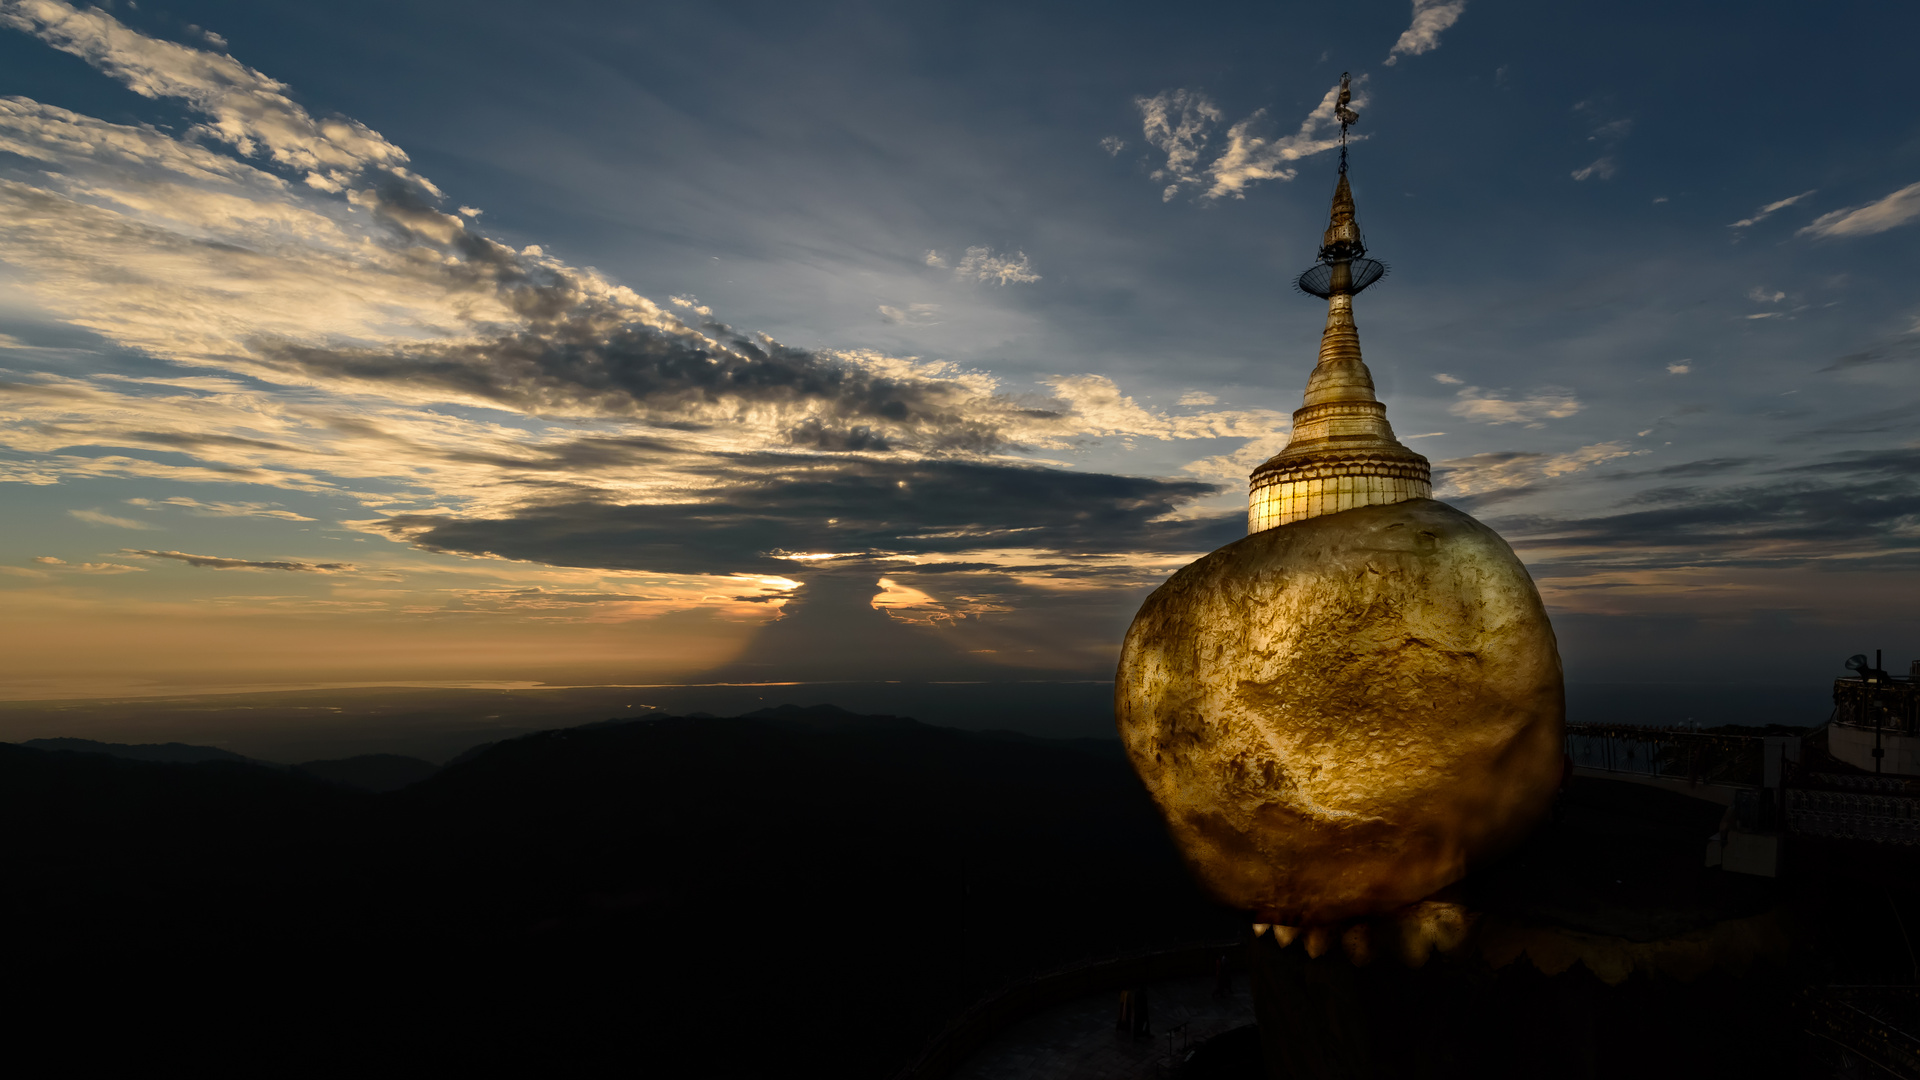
(1341, 713)
(1338, 716)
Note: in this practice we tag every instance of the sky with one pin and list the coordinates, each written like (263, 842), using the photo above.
(724, 342)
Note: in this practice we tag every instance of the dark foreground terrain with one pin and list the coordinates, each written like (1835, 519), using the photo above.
(794, 893)
(801, 894)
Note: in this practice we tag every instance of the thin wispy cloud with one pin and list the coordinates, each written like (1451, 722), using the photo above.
(223, 509)
(1430, 19)
(1603, 167)
(1251, 157)
(244, 109)
(1606, 130)
(1897, 350)
(1176, 123)
(1482, 473)
(217, 562)
(1900, 208)
(1180, 124)
(1487, 407)
(97, 517)
(911, 314)
(1770, 209)
(106, 568)
(984, 265)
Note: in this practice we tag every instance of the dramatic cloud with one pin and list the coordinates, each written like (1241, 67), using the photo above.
(323, 327)
(769, 513)
(1846, 509)
(245, 109)
(215, 562)
(238, 319)
(1430, 19)
(1895, 210)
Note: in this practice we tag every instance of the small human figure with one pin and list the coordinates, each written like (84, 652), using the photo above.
(1133, 1019)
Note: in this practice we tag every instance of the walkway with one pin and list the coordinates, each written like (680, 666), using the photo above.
(1076, 1041)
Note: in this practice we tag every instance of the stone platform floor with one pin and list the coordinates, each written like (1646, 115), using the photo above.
(1077, 1041)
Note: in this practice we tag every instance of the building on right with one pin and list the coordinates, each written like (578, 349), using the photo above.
(1876, 719)
(1861, 779)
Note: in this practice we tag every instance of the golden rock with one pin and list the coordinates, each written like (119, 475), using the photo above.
(1341, 713)
(1338, 716)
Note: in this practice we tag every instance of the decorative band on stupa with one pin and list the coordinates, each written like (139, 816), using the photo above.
(1342, 454)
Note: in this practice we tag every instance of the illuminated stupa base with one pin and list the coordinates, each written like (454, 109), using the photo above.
(1312, 488)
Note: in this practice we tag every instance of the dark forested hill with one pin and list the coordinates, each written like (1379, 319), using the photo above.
(675, 897)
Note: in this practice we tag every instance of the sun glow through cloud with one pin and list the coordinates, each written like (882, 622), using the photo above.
(262, 370)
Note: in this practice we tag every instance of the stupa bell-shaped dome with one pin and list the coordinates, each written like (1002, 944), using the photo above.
(1343, 453)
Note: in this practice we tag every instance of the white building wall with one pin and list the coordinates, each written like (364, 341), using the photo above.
(1855, 747)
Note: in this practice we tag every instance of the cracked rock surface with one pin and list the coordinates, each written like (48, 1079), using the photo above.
(1340, 716)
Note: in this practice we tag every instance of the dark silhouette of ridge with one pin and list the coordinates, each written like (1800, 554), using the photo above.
(807, 892)
(371, 772)
(176, 753)
(827, 718)
(705, 896)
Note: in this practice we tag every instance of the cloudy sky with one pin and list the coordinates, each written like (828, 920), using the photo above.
(606, 342)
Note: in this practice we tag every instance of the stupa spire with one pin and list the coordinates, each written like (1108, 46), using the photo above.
(1343, 453)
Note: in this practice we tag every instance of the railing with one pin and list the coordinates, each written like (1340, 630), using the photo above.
(1853, 815)
(1874, 1022)
(1893, 705)
(1701, 757)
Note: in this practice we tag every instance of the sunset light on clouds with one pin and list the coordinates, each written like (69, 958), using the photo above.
(312, 379)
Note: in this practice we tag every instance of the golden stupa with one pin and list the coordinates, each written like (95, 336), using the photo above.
(1343, 453)
(1341, 713)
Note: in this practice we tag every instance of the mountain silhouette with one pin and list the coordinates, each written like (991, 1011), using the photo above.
(371, 772)
(177, 753)
(718, 892)
(827, 718)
